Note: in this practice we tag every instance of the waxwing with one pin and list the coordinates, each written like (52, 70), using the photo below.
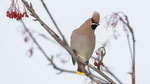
(83, 40)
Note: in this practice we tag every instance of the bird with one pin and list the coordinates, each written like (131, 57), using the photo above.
(83, 41)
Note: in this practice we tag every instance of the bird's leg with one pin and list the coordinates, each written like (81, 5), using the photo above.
(81, 69)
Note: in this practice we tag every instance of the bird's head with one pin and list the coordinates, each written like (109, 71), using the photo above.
(95, 20)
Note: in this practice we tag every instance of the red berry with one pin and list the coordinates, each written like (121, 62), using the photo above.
(102, 64)
(27, 16)
(15, 14)
(95, 63)
(7, 13)
(96, 53)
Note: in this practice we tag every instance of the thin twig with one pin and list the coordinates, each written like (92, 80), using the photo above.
(43, 52)
(133, 39)
(96, 76)
(112, 74)
(93, 79)
(130, 49)
(100, 78)
(54, 22)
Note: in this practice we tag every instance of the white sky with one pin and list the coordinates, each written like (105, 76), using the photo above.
(17, 68)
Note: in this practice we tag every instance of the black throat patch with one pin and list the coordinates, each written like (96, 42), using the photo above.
(93, 27)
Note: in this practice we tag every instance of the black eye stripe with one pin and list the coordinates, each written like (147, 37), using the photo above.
(94, 25)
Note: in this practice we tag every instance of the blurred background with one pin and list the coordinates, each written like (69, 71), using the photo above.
(16, 65)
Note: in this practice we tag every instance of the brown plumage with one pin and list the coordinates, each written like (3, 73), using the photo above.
(83, 40)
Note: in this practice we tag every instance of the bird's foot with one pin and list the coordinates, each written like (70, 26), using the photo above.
(80, 73)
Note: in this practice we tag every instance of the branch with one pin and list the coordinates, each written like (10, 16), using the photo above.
(112, 74)
(58, 39)
(124, 19)
(133, 39)
(50, 15)
(93, 79)
(43, 52)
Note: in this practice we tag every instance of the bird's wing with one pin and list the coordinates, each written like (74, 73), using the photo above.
(72, 38)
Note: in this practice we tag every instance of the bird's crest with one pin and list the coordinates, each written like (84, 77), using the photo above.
(96, 17)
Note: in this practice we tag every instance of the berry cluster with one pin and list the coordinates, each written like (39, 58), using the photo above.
(14, 12)
(99, 62)
(16, 15)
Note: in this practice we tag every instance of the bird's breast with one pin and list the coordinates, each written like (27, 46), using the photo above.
(84, 45)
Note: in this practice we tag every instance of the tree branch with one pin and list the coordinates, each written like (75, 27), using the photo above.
(133, 39)
(120, 16)
(43, 52)
(50, 15)
(112, 74)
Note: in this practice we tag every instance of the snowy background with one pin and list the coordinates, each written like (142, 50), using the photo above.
(17, 68)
